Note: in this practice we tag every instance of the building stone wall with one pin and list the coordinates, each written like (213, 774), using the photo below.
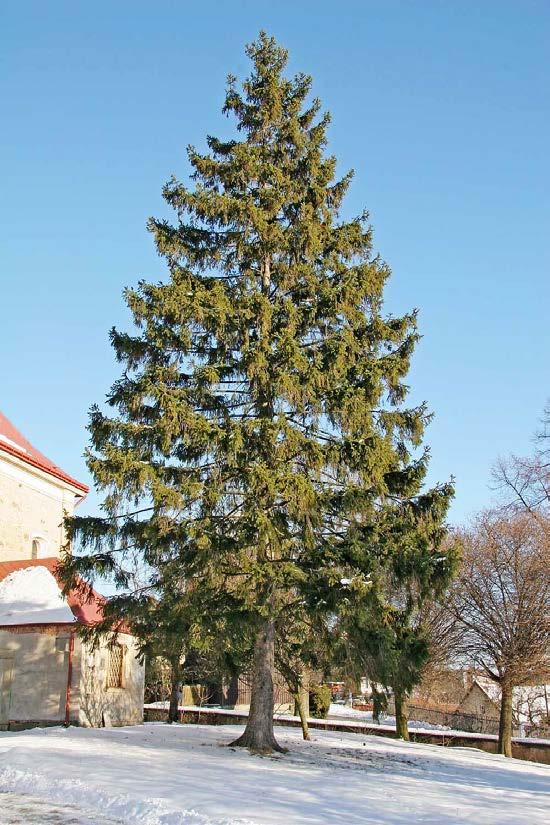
(101, 705)
(32, 506)
(33, 680)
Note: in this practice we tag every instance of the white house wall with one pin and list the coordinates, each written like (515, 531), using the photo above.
(32, 506)
(33, 681)
(37, 683)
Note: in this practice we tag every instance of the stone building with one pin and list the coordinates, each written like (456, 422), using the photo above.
(48, 674)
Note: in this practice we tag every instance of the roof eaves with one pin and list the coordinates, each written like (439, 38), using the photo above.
(50, 469)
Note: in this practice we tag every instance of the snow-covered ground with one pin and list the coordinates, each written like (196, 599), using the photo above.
(158, 774)
(16, 809)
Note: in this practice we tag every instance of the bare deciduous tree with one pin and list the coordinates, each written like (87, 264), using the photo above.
(444, 633)
(501, 599)
(524, 482)
(532, 708)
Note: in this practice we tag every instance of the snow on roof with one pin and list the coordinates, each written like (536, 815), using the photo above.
(86, 605)
(32, 596)
(13, 442)
(489, 687)
(530, 701)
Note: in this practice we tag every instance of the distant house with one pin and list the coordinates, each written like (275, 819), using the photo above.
(481, 700)
(469, 700)
(530, 703)
(48, 675)
(458, 699)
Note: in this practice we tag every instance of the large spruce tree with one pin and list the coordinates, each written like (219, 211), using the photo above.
(257, 436)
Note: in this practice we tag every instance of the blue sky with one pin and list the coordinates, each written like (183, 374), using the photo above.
(442, 108)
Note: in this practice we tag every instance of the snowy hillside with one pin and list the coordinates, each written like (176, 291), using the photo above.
(183, 775)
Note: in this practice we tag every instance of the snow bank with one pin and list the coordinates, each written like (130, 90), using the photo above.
(32, 596)
(115, 807)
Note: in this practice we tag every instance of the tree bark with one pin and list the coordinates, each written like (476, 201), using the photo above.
(173, 710)
(401, 716)
(300, 706)
(258, 735)
(505, 722)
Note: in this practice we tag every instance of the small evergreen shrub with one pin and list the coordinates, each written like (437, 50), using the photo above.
(320, 697)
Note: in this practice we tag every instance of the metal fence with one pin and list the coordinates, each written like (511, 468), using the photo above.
(454, 719)
(237, 692)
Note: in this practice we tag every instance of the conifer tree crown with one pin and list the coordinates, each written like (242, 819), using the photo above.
(258, 427)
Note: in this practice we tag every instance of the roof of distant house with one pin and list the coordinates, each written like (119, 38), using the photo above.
(30, 598)
(489, 687)
(14, 443)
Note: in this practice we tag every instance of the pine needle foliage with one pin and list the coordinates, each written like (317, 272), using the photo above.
(257, 439)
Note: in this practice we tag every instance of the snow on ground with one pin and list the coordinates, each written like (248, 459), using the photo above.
(23, 810)
(158, 774)
(32, 596)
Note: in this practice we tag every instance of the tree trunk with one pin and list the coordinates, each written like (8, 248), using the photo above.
(173, 710)
(300, 706)
(258, 735)
(401, 716)
(505, 723)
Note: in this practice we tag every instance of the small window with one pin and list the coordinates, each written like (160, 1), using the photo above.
(39, 547)
(114, 666)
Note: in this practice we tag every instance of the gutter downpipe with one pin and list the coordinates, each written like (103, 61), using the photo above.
(69, 680)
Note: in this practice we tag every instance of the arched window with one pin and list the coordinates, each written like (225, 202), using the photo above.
(38, 548)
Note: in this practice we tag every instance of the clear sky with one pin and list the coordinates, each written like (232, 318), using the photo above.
(441, 107)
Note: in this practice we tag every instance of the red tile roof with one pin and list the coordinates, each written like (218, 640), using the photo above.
(86, 611)
(13, 442)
